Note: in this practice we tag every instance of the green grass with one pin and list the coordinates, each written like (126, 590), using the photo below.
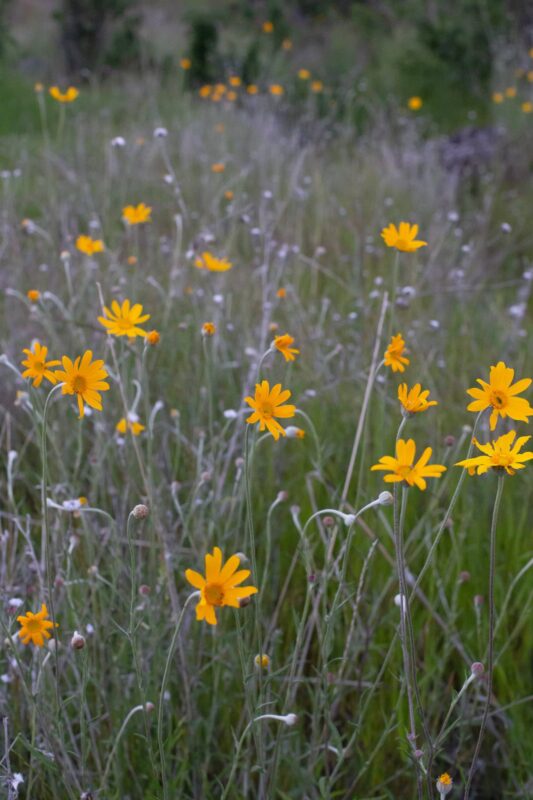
(317, 235)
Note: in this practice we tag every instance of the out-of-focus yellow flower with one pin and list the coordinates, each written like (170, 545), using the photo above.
(283, 345)
(394, 354)
(33, 295)
(268, 27)
(185, 63)
(276, 89)
(228, 194)
(37, 367)
(218, 168)
(131, 424)
(231, 96)
(234, 80)
(131, 260)
(220, 587)
(262, 661)
(220, 127)
(38, 87)
(286, 44)
(63, 97)
(89, 246)
(205, 91)
(208, 261)
(317, 87)
(529, 76)
(153, 337)
(527, 107)
(136, 215)
(304, 74)
(252, 89)
(281, 293)
(124, 320)
(209, 329)
(510, 91)
(402, 238)
(414, 400)
(415, 103)
(497, 97)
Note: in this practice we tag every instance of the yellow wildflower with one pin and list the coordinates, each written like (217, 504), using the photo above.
(63, 97)
(84, 378)
(283, 344)
(131, 424)
(185, 63)
(33, 295)
(415, 103)
(35, 628)
(218, 168)
(135, 215)
(414, 400)
(304, 74)
(252, 88)
(89, 246)
(153, 337)
(394, 354)
(276, 89)
(267, 405)
(37, 367)
(268, 27)
(209, 329)
(220, 587)
(403, 466)
(402, 237)
(501, 454)
(500, 395)
(317, 86)
(208, 261)
(124, 320)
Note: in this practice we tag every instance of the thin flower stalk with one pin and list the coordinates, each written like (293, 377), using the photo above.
(490, 658)
(375, 366)
(162, 762)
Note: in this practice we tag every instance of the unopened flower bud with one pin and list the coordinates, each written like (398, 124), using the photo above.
(479, 600)
(328, 522)
(477, 669)
(262, 661)
(282, 496)
(418, 753)
(78, 641)
(244, 601)
(243, 558)
(140, 511)
(449, 441)
(92, 571)
(144, 590)
(464, 576)
(385, 499)
(149, 707)
(290, 719)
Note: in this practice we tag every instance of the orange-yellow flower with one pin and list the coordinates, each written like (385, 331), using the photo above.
(228, 194)
(415, 103)
(414, 400)
(208, 261)
(317, 86)
(268, 27)
(276, 89)
(84, 378)
(500, 395)
(89, 246)
(234, 80)
(281, 293)
(37, 367)
(497, 98)
(218, 168)
(124, 320)
(63, 97)
(185, 63)
(220, 587)
(267, 405)
(501, 454)
(252, 88)
(403, 466)
(402, 238)
(153, 337)
(135, 215)
(209, 329)
(130, 424)
(304, 74)
(394, 354)
(510, 91)
(205, 91)
(527, 107)
(35, 628)
(286, 44)
(33, 295)
(283, 344)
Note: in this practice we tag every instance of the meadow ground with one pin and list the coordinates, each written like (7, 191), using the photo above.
(361, 693)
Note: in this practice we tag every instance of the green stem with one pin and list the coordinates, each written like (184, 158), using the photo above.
(162, 692)
(490, 665)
